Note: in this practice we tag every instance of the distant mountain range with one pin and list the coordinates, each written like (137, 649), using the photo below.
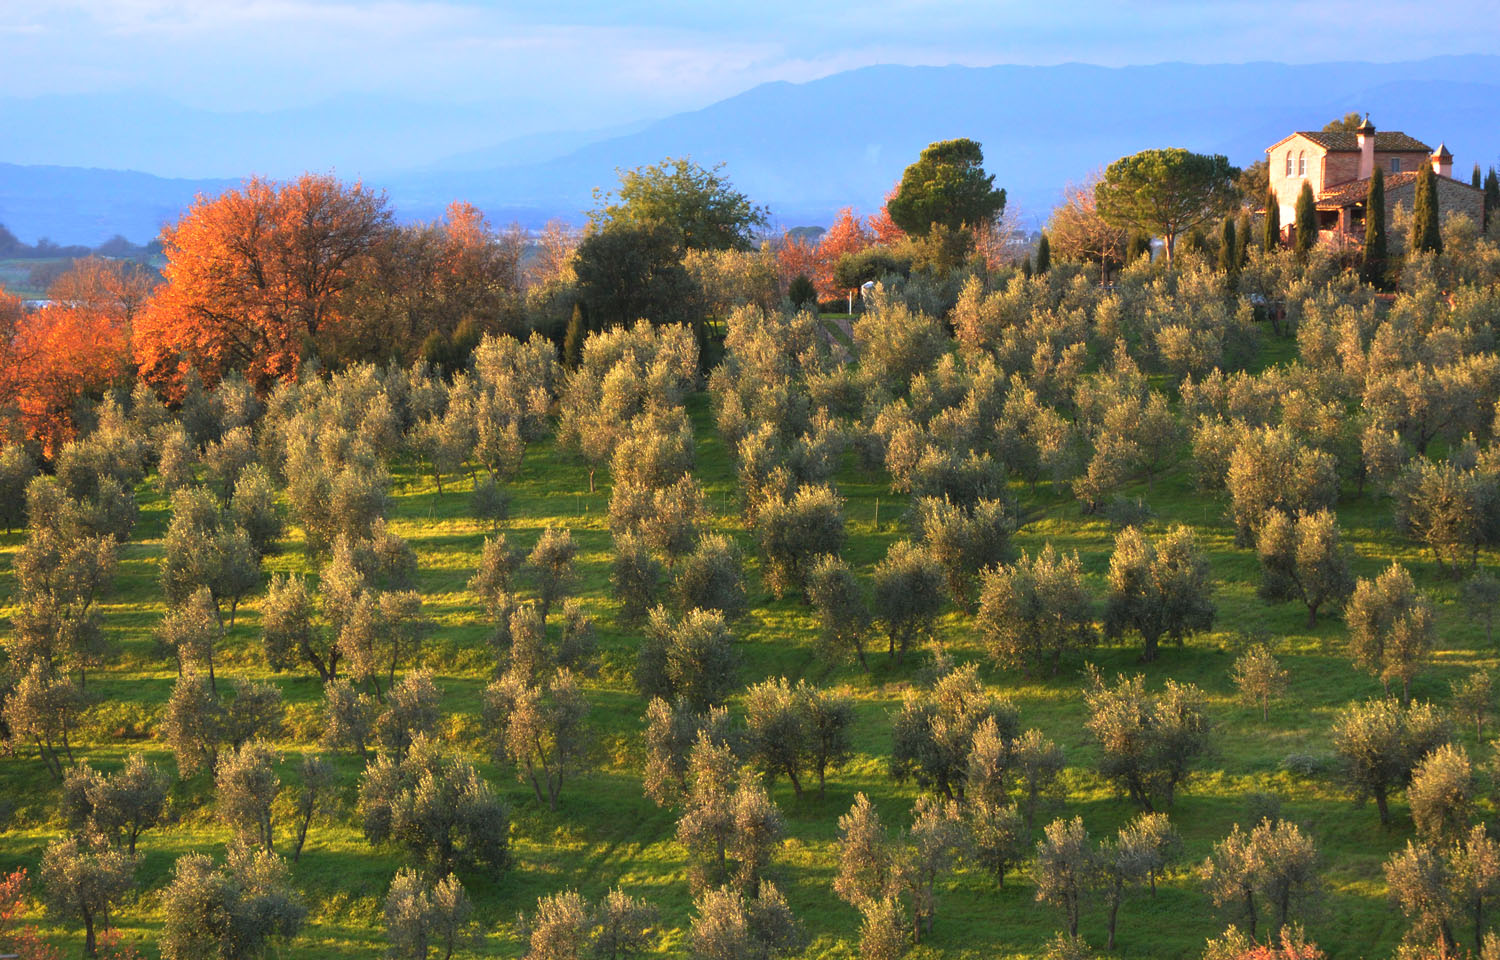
(804, 150)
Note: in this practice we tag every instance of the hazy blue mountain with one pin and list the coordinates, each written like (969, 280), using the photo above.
(804, 150)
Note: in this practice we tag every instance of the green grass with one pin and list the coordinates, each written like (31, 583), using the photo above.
(607, 833)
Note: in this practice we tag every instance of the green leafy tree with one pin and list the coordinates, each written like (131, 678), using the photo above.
(83, 878)
(1043, 254)
(698, 208)
(1274, 864)
(633, 271)
(729, 925)
(437, 807)
(247, 784)
(566, 926)
(120, 805)
(843, 610)
(691, 659)
(794, 533)
(946, 186)
(1442, 794)
(540, 727)
(1165, 192)
(934, 731)
(1474, 699)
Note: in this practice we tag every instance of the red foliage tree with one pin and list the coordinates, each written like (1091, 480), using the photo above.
(255, 278)
(883, 229)
(16, 937)
(846, 235)
(53, 357)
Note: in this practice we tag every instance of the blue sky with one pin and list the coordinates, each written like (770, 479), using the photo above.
(575, 64)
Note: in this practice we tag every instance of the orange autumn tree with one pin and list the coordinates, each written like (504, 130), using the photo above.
(847, 235)
(255, 278)
(882, 228)
(52, 357)
(795, 257)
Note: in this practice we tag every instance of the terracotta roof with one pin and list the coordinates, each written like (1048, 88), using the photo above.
(1354, 191)
(1386, 141)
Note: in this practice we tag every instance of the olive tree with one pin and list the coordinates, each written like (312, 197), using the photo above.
(843, 610)
(1391, 627)
(1304, 559)
(1064, 869)
(793, 533)
(247, 785)
(1259, 678)
(436, 807)
(566, 926)
(237, 911)
(1380, 743)
(692, 658)
(1033, 612)
(1442, 794)
(731, 925)
(83, 879)
(933, 733)
(798, 730)
(1158, 589)
(908, 595)
(1275, 864)
(1148, 741)
(539, 725)
(120, 805)
(421, 914)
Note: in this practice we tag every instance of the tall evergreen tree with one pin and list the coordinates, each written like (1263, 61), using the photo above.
(1425, 234)
(1242, 239)
(1272, 239)
(1043, 254)
(1373, 268)
(1475, 179)
(1229, 248)
(1136, 246)
(1491, 193)
(578, 330)
(1307, 222)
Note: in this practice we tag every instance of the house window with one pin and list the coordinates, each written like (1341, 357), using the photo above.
(1289, 163)
(1395, 164)
(1301, 164)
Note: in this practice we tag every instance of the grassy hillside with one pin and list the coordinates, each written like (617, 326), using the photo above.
(608, 833)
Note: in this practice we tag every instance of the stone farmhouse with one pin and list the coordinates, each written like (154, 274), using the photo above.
(1339, 166)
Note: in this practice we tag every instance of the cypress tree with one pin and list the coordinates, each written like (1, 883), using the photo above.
(1273, 221)
(1136, 246)
(573, 339)
(1491, 193)
(1425, 235)
(1026, 267)
(1475, 179)
(1043, 254)
(1229, 248)
(1373, 268)
(1307, 222)
(1242, 239)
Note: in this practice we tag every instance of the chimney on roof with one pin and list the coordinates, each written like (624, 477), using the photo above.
(1365, 133)
(1442, 162)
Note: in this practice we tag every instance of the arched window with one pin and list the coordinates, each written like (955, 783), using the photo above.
(1301, 164)
(1289, 163)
